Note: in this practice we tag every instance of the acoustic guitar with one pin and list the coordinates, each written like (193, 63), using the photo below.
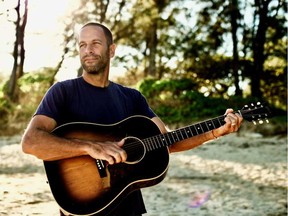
(87, 186)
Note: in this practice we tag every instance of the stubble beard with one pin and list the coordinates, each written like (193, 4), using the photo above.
(98, 67)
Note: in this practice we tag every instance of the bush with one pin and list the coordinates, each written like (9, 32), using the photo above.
(15, 115)
(178, 102)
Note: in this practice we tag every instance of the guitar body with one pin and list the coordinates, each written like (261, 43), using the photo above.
(85, 186)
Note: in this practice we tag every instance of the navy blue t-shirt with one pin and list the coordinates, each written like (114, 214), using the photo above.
(76, 100)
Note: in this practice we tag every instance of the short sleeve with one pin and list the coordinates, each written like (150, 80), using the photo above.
(53, 102)
(142, 106)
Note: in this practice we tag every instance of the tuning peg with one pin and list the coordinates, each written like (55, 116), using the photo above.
(254, 122)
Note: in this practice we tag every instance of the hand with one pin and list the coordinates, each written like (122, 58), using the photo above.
(109, 151)
(233, 122)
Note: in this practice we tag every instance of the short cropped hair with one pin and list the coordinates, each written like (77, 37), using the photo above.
(106, 30)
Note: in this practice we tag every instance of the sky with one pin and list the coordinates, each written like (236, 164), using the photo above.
(46, 20)
(42, 35)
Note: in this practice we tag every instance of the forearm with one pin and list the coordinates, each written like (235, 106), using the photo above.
(191, 142)
(47, 146)
(233, 122)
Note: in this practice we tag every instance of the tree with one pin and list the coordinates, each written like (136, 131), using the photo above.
(234, 16)
(18, 52)
(258, 45)
(266, 17)
(220, 20)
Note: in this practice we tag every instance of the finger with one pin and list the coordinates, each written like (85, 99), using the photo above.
(232, 119)
(122, 152)
(119, 155)
(239, 118)
(109, 159)
(102, 152)
(229, 110)
(122, 155)
(121, 143)
(229, 121)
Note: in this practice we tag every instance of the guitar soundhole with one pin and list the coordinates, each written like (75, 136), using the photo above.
(135, 150)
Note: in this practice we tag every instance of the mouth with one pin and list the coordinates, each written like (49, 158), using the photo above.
(91, 59)
(88, 60)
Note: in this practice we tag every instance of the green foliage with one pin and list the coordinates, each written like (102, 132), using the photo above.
(32, 88)
(151, 87)
(186, 48)
(177, 101)
(5, 104)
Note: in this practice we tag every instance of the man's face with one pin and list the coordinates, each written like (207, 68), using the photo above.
(94, 53)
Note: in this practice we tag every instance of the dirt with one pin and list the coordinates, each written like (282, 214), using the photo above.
(235, 175)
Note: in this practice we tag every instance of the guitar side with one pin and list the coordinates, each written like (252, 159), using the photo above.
(78, 186)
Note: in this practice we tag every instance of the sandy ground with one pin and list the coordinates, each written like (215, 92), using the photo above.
(234, 175)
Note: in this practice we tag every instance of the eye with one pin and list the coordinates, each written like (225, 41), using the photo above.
(96, 43)
(81, 45)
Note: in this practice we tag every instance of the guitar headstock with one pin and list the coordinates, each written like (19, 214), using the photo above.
(256, 112)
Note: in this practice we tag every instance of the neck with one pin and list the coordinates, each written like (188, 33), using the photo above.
(99, 80)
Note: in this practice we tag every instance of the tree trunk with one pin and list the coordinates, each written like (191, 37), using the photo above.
(13, 77)
(21, 41)
(18, 52)
(234, 11)
(152, 48)
(258, 47)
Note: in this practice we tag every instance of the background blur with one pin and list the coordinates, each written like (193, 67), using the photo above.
(191, 59)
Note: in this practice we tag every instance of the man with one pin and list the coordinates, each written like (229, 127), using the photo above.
(94, 98)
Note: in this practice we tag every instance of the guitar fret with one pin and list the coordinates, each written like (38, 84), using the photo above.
(177, 137)
(204, 127)
(181, 133)
(154, 143)
(190, 131)
(151, 143)
(148, 145)
(187, 136)
(219, 121)
(211, 125)
(194, 130)
(161, 141)
(198, 129)
(158, 141)
(201, 128)
(173, 136)
(207, 126)
(170, 142)
(164, 141)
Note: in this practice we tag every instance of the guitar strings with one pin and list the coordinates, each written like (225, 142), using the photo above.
(163, 140)
(156, 142)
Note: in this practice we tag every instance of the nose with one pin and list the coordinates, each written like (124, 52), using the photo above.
(89, 49)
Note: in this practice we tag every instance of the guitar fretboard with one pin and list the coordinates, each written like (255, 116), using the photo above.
(167, 139)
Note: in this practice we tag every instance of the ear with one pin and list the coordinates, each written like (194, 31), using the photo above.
(112, 50)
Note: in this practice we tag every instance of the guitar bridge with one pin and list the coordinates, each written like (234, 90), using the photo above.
(101, 168)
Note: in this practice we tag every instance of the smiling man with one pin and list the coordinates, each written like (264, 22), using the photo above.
(94, 98)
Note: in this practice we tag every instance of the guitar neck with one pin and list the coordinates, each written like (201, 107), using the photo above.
(167, 139)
